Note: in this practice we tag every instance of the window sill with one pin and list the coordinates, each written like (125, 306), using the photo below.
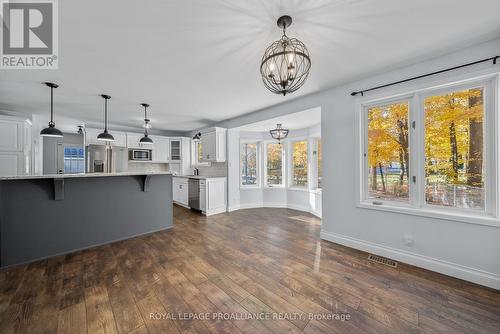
(305, 189)
(249, 187)
(430, 213)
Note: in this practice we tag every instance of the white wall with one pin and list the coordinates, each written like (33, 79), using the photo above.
(465, 250)
(308, 200)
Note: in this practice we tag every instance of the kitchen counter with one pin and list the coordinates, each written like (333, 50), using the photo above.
(200, 177)
(48, 215)
(64, 176)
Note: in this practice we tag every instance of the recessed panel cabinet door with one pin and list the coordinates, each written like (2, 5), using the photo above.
(11, 136)
(209, 142)
(11, 163)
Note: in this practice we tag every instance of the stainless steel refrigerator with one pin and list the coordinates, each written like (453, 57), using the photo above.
(106, 159)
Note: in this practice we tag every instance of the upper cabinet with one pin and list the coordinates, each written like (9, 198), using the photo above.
(213, 143)
(15, 146)
(161, 149)
(175, 149)
(133, 141)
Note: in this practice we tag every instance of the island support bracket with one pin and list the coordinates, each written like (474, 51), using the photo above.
(58, 189)
(145, 182)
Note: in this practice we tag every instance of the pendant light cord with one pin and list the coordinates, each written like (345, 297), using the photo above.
(105, 115)
(51, 105)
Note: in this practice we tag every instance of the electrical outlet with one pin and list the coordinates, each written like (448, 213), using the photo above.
(408, 240)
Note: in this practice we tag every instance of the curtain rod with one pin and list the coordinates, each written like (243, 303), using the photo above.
(494, 59)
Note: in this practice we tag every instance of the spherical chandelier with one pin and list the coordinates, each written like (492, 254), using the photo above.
(286, 63)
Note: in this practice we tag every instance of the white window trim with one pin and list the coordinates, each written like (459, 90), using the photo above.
(283, 164)
(291, 186)
(194, 156)
(417, 205)
(258, 182)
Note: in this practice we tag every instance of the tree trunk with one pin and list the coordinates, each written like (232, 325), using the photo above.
(454, 151)
(403, 142)
(475, 163)
(374, 178)
(381, 176)
(402, 169)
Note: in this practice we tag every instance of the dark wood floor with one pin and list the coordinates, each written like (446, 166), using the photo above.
(249, 264)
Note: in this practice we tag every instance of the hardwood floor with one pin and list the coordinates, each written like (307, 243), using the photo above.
(249, 264)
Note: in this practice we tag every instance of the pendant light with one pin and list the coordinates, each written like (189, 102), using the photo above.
(51, 131)
(146, 139)
(105, 136)
(285, 65)
(279, 133)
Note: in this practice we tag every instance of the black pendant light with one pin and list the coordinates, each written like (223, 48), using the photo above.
(279, 133)
(286, 63)
(105, 136)
(51, 131)
(146, 139)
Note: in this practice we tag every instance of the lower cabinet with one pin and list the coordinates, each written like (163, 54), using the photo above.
(213, 196)
(180, 190)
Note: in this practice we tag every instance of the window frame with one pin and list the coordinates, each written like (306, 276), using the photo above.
(258, 182)
(290, 164)
(283, 164)
(417, 204)
(194, 155)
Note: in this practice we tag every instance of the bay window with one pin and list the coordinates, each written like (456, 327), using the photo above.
(249, 164)
(433, 150)
(299, 164)
(274, 164)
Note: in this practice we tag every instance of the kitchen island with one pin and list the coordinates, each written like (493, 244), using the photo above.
(47, 215)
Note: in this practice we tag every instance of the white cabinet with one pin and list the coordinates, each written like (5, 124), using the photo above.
(213, 197)
(175, 149)
(15, 146)
(180, 155)
(11, 135)
(120, 139)
(161, 149)
(180, 190)
(11, 164)
(213, 143)
(133, 140)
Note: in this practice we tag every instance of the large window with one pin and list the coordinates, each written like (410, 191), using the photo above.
(299, 163)
(274, 165)
(434, 149)
(388, 156)
(248, 159)
(454, 149)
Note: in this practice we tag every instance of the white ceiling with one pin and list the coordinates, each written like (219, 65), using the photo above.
(299, 120)
(197, 62)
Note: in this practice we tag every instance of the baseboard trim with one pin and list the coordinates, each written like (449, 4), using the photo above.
(444, 267)
(273, 205)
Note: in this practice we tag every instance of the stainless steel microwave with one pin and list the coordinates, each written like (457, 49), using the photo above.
(139, 154)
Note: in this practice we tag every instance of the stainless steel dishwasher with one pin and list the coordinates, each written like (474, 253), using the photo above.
(194, 194)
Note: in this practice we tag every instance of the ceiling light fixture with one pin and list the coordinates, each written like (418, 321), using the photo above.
(197, 137)
(105, 136)
(51, 130)
(146, 139)
(80, 130)
(279, 133)
(286, 63)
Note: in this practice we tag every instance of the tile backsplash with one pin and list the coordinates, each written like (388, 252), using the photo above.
(215, 169)
(147, 167)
